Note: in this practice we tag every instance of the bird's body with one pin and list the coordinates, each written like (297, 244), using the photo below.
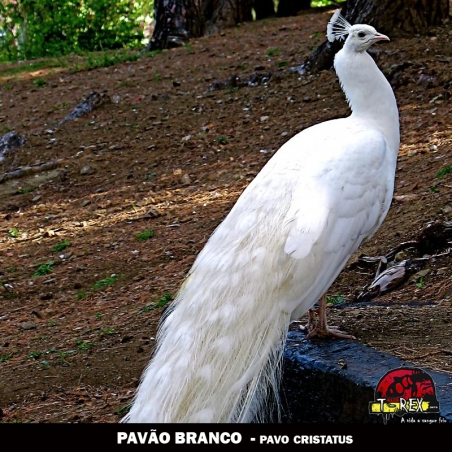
(277, 252)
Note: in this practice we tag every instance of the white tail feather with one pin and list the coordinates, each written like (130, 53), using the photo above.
(220, 348)
(206, 371)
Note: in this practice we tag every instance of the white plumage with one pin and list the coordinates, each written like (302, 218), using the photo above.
(275, 255)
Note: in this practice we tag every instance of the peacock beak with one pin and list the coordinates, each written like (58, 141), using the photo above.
(380, 37)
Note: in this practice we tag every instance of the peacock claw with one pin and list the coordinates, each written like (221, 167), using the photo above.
(329, 332)
(319, 327)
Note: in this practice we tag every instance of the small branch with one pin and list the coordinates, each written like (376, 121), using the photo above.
(403, 246)
(437, 352)
(26, 170)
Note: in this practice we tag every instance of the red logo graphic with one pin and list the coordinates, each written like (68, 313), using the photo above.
(404, 390)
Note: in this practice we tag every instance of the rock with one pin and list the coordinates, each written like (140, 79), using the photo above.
(86, 170)
(427, 80)
(185, 179)
(442, 270)
(421, 274)
(85, 202)
(90, 103)
(11, 140)
(30, 325)
(153, 213)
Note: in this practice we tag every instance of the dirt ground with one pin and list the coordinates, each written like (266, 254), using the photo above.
(162, 153)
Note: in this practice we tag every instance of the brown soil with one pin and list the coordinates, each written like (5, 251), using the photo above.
(166, 154)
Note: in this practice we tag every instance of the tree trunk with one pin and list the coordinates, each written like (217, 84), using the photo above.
(291, 7)
(175, 22)
(392, 17)
(264, 9)
(226, 13)
(396, 17)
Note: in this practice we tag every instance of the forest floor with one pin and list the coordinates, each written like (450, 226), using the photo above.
(93, 248)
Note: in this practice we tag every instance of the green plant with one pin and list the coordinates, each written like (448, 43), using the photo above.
(123, 410)
(33, 29)
(23, 191)
(35, 355)
(61, 246)
(335, 300)
(222, 140)
(39, 82)
(5, 358)
(44, 269)
(322, 3)
(420, 283)
(434, 189)
(283, 64)
(107, 332)
(81, 294)
(157, 77)
(62, 356)
(58, 107)
(145, 235)
(154, 53)
(443, 171)
(106, 282)
(166, 298)
(14, 232)
(52, 323)
(273, 52)
(83, 345)
(98, 315)
(108, 58)
(189, 48)
(126, 85)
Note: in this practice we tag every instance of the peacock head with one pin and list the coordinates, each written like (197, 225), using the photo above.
(360, 37)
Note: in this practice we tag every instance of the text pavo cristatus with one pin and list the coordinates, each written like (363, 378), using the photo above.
(219, 349)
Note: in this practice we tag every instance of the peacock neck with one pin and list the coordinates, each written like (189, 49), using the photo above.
(369, 94)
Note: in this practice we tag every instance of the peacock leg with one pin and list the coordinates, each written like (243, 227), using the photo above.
(322, 329)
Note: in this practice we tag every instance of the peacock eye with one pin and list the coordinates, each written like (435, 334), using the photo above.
(361, 34)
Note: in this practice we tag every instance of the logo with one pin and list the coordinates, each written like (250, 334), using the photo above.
(406, 390)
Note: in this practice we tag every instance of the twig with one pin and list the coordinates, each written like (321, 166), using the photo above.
(25, 170)
(402, 246)
(437, 352)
